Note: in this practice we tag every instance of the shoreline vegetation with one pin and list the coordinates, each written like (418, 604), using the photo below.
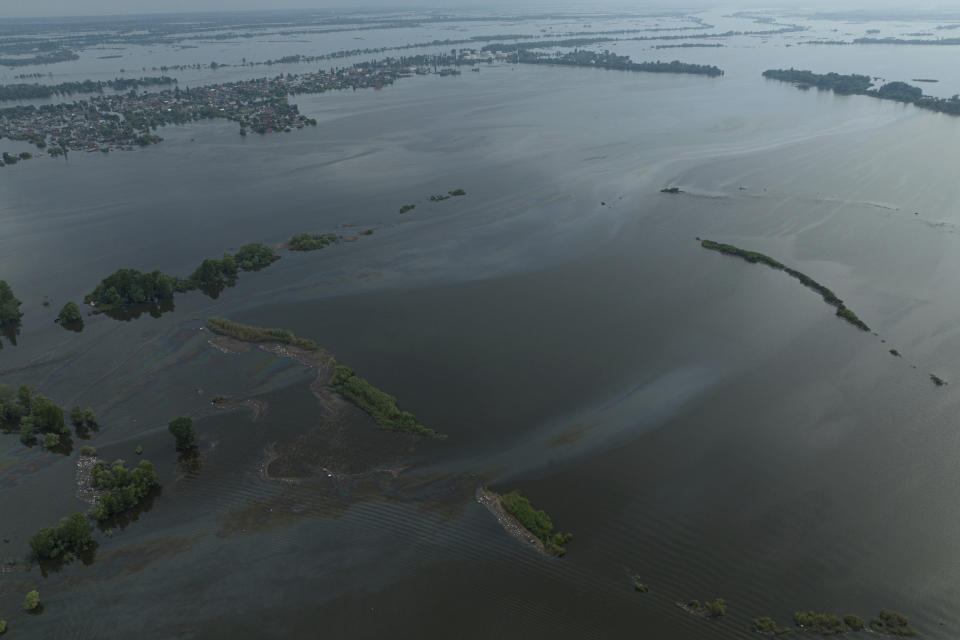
(506, 509)
(855, 84)
(828, 296)
(379, 405)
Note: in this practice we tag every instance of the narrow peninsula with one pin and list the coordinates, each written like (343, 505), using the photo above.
(856, 84)
(828, 296)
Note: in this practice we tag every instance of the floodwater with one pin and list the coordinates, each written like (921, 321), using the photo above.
(695, 420)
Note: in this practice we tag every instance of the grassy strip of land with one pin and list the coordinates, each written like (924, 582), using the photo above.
(855, 84)
(536, 522)
(381, 406)
(828, 296)
(247, 333)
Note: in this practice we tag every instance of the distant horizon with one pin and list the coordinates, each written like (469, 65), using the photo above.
(85, 9)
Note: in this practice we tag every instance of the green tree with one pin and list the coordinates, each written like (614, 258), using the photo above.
(183, 433)
(70, 314)
(3, 627)
(32, 601)
(9, 304)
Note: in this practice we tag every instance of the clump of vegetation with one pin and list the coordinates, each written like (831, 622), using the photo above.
(311, 241)
(70, 315)
(126, 287)
(457, 192)
(88, 451)
(125, 488)
(439, 197)
(9, 305)
(824, 623)
(894, 352)
(367, 232)
(71, 536)
(258, 334)
(407, 207)
(138, 450)
(219, 400)
(31, 413)
(670, 190)
(212, 274)
(892, 623)
(83, 419)
(854, 623)
(32, 601)
(381, 406)
(182, 430)
(536, 522)
(768, 626)
(715, 609)
(639, 586)
(937, 380)
(3, 627)
(828, 296)
(255, 256)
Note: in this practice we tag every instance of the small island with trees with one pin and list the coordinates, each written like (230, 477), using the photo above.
(828, 296)
(522, 521)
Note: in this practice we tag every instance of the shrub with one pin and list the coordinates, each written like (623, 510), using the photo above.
(71, 535)
(183, 433)
(855, 623)
(311, 241)
(70, 314)
(892, 623)
(87, 450)
(32, 601)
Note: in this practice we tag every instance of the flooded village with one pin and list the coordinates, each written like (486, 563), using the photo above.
(123, 121)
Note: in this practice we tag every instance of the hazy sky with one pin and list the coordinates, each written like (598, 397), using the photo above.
(30, 8)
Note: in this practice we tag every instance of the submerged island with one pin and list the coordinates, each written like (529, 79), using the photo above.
(856, 84)
(339, 378)
(828, 296)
